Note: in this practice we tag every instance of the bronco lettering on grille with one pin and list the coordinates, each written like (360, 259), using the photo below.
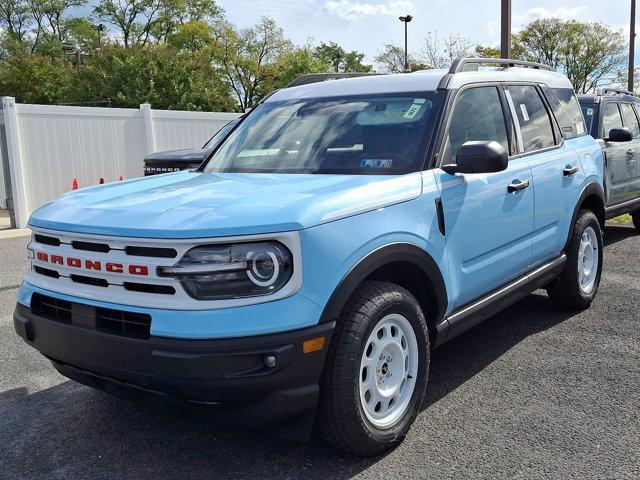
(96, 265)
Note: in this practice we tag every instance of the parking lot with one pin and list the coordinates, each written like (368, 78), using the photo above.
(531, 393)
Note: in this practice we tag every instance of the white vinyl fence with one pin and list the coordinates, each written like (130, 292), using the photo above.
(45, 147)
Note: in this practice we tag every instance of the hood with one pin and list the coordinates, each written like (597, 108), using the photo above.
(189, 155)
(195, 205)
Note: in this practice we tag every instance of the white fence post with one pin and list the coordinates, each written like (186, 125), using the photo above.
(15, 162)
(148, 126)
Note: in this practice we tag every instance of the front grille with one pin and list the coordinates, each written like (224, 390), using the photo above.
(151, 252)
(97, 282)
(46, 271)
(114, 322)
(90, 246)
(47, 240)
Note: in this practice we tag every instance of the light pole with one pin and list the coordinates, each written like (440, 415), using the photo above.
(632, 42)
(406, 19)
(505, 29)
(99, 28)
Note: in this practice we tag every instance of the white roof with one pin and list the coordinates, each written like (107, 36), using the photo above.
(422, 81)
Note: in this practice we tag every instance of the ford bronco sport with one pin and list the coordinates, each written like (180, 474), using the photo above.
(339, 233)
(612, 117)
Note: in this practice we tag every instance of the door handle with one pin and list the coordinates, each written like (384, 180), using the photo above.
(569, 170)
(517, 185)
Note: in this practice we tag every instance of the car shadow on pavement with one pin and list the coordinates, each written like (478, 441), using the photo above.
(72, 431)
(617, 233)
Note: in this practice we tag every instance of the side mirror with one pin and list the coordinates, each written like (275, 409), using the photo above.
(479, 157)
(620, 135)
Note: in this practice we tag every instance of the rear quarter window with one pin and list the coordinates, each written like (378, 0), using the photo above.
(568, 113)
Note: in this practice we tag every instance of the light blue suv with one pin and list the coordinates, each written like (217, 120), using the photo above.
(340, 232)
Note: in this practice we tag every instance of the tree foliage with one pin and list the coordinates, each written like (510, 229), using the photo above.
(341, 60)
(587, 53)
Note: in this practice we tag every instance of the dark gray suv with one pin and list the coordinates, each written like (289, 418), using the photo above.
(612, 117)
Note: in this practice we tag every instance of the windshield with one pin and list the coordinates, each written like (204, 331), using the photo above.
(590, 113)
(381, 134)
(219, 136)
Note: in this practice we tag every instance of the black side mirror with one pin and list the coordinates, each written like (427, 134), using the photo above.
(620, 135)
(479, 157)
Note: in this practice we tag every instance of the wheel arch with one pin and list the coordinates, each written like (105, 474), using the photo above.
(591, 198)
(405, 264)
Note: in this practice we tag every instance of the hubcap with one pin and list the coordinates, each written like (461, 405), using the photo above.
(588, 260)
(388, 371)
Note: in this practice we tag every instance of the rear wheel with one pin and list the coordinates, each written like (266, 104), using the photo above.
(577, 286)
(636, 219)
(376, 373)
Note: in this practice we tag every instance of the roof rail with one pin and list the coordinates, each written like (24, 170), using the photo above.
(472, 64)
(605, 90)
(322, 77)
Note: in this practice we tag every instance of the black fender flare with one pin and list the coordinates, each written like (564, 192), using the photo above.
(590, 189)
(390, 253)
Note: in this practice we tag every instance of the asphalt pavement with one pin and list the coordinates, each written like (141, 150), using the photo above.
(530, 393)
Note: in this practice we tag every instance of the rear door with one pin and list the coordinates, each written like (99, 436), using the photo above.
(555, 167)
(632, 150)
(617, 174)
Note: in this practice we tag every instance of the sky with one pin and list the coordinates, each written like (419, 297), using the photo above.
(366, 25)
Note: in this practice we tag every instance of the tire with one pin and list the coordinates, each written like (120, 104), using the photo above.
(360, 366)
(636, 220)
(576, 288)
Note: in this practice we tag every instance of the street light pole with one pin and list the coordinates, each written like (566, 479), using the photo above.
(406, 19)
(632, 42)
(505, 29)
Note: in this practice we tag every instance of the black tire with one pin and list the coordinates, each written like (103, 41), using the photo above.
(636, 220)
(341, 420)
(566, 292)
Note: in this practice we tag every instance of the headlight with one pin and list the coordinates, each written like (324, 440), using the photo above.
(217, 272)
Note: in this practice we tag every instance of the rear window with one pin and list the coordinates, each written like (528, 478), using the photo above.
(571, 122)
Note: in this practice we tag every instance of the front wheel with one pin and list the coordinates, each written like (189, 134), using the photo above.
(577, 286)
(376, 373)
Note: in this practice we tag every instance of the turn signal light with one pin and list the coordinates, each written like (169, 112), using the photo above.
(313, 345)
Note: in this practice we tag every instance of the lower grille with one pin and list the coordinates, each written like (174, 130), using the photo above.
(107, 320)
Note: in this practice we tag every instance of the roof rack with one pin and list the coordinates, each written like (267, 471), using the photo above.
(323, 77)
(473, 64)
(622, 91)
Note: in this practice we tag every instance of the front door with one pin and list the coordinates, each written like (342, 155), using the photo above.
(618, 155)
(632, 151)
(488, 227)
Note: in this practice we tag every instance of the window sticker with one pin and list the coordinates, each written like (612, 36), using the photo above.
(376, 163)
(579, 128)
(590, 112)
(525, 114)
(413, 110)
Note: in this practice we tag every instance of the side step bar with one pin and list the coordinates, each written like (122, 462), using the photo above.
(472, 314)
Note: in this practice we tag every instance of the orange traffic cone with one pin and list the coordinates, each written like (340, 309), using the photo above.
(74, 185)
(101, 181)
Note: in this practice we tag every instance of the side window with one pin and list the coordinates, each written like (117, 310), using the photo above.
(610, 118)
(535, 124)
(630, 119)
(571, 109)
(477, 115)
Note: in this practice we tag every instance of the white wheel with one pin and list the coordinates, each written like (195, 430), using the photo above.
(388, 371)
(588, 258)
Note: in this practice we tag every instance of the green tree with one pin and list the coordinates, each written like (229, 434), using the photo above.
(15, 19)
(156, 74)
(587, 53)
(249, 57)
(391, 59)
(487, 52)
(294, 63)
(341, 60)
(35, 78)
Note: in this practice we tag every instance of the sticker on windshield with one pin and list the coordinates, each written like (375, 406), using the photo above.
(579, 128)
(525, 114)
(376, 163)
(589, 112)
(414, 108)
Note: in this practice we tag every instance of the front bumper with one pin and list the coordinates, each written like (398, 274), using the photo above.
(227, 375)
